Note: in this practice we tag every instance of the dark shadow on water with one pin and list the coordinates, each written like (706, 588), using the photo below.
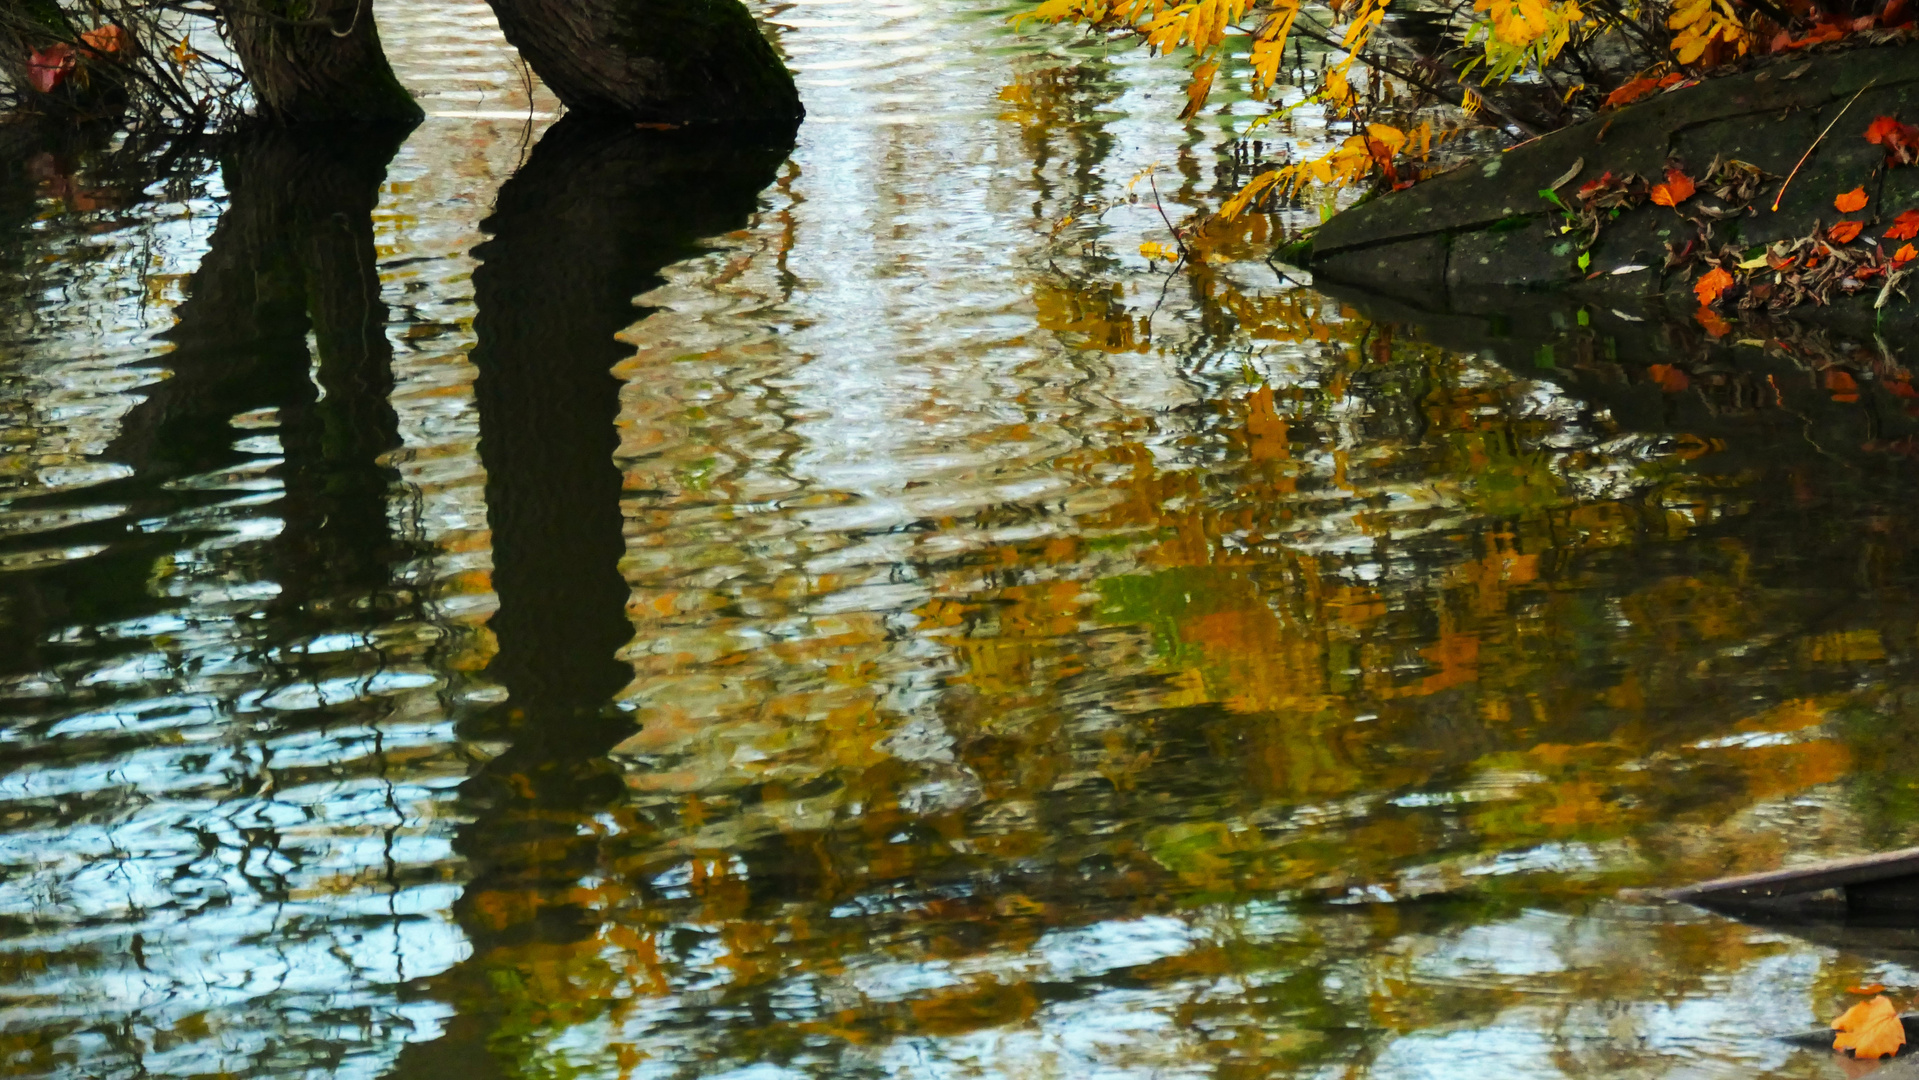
(585, 226)
(283, 323)
(1826, 392)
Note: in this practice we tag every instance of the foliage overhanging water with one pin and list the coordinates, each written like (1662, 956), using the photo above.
(920, 639)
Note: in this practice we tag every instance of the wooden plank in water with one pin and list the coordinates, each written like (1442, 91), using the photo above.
(1814, 877)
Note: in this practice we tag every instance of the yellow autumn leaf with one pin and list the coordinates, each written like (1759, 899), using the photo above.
(1198, 89)
(1392, 137)
(1267, 56)
(1259, 185)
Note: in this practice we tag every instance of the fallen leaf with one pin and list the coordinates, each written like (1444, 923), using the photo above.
(1845, 232)
(1905, 226)
(1870, 1029)
(1677, 189)
(1881, 128)
(1637, 89)
(1578, 164)
(1591, 186)
(1875, 988)
(1711, 285)
(1904, 255)
(1628, 318)
(1900, 140)
(1851, 201)
(1755, 262)
(1629, 268)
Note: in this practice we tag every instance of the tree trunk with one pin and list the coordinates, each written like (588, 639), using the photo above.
(316, 61)
(678, 62)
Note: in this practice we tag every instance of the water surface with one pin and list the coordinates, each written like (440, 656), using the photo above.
(522, 599)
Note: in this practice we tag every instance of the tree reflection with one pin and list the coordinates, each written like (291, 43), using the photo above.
(577, 233)
(292, 259)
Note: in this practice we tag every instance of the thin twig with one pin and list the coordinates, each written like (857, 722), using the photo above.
(1815, 146)
(1151, 179)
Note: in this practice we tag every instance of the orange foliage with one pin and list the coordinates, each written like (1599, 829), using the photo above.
(1677, 189)
(1712, 285)
(1870, 1029)
(1639, 88)
(1850, 201)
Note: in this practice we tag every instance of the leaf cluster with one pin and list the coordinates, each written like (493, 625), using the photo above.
(157, 65)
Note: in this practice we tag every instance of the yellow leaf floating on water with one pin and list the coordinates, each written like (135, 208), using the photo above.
(1870, 1029)
(1154, 250)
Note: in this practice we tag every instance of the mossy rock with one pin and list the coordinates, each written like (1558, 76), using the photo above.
(1442, 242)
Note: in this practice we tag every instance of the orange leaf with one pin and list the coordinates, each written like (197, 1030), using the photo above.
(1904, 255)
(1670, 379)
(1870, 1029)
(1875, 988)
(1713, 283)
(1845, 232)
(1905, 226)
(110, 39)
(1882, 128)
(1851, 200)
(1677, 189)
(1637, 89)
(1899, 140)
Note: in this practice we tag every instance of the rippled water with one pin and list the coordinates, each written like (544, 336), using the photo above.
(920, 638)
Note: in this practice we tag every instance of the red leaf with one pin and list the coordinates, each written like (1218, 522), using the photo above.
(1851, 200)
(1639, 88)
(1905, 226)
(1882, 128)
(1677, 189)
(1845, 232)
(1711, 285)
(49, 67)
(1591, 186)
(1904, 255)
(1897, 13)
(1900, 140)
